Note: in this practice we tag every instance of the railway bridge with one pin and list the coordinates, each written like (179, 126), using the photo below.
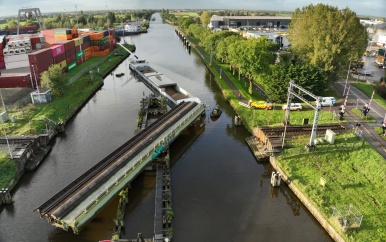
(75, 205)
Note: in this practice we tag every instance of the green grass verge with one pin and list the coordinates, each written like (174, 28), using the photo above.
(355, 175)
(7, 169)
(366, 118)
(185, 14)
(368, 90)
(380, 132)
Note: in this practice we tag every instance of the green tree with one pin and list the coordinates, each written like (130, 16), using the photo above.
(327, 37)
(257, 57)
(185, 22)
(308, 76)
(235, 56)
(205, 18)
(111, 18)
(54, 79)
(12, 24)
(28, 22)
(222, 50)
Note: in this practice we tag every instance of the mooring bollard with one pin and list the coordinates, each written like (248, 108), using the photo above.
(275, 179)
(237, 120)
(6, 196)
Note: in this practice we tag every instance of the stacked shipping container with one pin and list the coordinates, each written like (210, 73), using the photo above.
(23, 30)
(54, 35)
(2, 44)
(99, 43)
(86, 46)
(66, 48)
(39, 62)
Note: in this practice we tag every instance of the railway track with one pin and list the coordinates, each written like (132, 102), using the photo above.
(68, 198)
(271, 137)
(299, 130)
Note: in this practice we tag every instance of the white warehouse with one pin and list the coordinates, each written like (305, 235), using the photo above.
(277, 38)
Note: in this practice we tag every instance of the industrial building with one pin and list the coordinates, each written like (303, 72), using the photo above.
(281, 40)
(279, 22)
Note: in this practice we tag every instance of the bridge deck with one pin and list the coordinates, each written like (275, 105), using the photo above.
(77, 203)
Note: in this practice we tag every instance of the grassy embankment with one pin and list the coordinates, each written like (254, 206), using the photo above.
(354, 171)
(354, 174)
(30, 119)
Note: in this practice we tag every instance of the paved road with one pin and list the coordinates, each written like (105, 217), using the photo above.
(359, 99)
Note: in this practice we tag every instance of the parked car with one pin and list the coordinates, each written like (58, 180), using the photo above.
(294, 106)
(261, 105)
(328, 101)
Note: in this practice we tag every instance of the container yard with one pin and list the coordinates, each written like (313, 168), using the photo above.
(24, 57)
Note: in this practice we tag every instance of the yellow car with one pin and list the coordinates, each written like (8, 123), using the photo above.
(261, 105)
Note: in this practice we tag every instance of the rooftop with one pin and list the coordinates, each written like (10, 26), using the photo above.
(221, 18)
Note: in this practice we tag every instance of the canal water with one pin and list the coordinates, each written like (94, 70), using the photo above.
(220, 192)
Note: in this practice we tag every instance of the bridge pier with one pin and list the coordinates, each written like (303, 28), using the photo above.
(119, 222)
(163, 210)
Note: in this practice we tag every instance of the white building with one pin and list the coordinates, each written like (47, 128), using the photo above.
(277, 38)
(278, 22)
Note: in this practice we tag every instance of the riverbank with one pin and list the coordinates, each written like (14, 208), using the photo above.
(32, 119)
(304, 180)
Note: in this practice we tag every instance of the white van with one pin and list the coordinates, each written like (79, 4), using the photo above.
(328, 101)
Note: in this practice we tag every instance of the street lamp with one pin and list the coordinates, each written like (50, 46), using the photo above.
(5, 133)
(76, 8)
(345, 85)
(36, 80)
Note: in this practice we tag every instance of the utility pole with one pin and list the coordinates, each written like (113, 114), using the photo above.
(345, 85)
(5, 133)
(76, 8)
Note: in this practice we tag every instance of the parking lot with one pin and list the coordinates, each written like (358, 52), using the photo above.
(370, 71)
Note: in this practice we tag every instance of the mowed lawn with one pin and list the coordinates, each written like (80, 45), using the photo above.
(354, 174)
(185, 14)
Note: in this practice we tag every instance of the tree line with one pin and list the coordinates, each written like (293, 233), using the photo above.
(323, 41)
(99, 20)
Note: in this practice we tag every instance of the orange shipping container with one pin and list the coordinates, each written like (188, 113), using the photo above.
(96, 35)
(87, 51)
(47, 32)
(100, 53)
